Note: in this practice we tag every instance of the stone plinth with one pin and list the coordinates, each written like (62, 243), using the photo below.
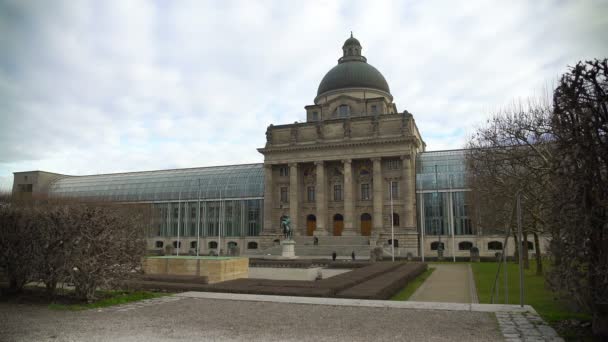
(216, 269)
(289, 249)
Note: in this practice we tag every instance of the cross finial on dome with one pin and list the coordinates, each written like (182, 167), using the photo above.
(351, 34)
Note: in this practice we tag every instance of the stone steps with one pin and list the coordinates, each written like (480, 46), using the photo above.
(321, 250)
(333, 240)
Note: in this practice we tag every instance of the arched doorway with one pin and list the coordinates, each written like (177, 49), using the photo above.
(311, 225)
(366, 224)
(338, 224)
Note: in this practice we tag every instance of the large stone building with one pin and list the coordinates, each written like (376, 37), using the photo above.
(353, 174)
(336, 173)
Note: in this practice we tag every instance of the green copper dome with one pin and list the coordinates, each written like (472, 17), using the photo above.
(353, 74)
(352, 71)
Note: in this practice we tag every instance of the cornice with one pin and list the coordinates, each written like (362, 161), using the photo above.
(339, 144)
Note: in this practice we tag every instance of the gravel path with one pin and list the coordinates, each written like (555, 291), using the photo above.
(189, 319)
(449, 283)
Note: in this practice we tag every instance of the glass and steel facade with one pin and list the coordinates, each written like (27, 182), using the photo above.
(195, 201)
(444, 201)
(203, 200)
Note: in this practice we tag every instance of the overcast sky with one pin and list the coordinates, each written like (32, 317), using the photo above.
(112, 86)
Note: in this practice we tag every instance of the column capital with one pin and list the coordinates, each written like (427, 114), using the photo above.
(375, 159)
(268, 166)
(405, 157)
(293, 164)
(318, 162)
(347, 161)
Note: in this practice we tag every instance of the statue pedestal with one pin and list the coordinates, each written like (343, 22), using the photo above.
(289, 249)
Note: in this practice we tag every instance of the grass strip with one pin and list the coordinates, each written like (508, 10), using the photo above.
(412, 286)
(547, 303)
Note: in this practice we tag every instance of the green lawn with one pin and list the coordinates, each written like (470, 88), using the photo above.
(544, 301)
(110, 298)
(412, 286)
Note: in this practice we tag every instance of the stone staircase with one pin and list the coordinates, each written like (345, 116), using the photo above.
(342, 245)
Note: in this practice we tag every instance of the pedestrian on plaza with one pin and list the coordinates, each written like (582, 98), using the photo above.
(353, 255)
(333, 256)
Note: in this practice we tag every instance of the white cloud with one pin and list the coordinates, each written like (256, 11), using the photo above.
(90, 87)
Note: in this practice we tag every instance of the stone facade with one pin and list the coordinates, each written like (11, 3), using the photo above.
(332, 173)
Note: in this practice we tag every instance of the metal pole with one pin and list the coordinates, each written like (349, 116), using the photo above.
(179, 219)
(504, 260)
(520, 237)
(422, 225)
(219, 227)
(451, 221)
(392, 223)
(440, 245)
(198, 220)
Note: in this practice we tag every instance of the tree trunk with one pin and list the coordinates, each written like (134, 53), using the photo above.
(51, 285)
(539, 261)
(516, 246)
(524, 246)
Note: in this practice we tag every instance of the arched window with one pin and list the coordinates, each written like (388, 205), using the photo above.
(193, 244)
(232, 244)
(276, 242)
(252, 245)
(437, 244)
(390, 242)
(464, 246)
(212, 244)
(159, 244)
(530, 246)
(395, 219)
(494, 245)
(177, 244)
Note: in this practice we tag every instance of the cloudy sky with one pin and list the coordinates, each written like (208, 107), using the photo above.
(112, 86)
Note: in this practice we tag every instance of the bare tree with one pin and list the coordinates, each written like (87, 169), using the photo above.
(94, 245)
(513, 154)
(581, 198)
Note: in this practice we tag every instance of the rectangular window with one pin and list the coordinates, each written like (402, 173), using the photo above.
(393, 164)
(338, 192)
(315, 116)
(343, 111)
(284, 194)
(374, 109)
(395, 189)
(311, 194)
(283, 171)
(365, 191)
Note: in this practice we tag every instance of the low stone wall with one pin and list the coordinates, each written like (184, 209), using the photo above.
(214, 269)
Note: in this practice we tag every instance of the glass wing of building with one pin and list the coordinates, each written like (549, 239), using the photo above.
(233, 181)
(193, 201)
(444, 206)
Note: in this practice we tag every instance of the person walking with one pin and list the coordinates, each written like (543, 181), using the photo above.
(333, 256)
(352, 255)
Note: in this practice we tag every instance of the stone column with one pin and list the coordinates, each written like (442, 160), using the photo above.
(321, 200)
(377, 196)
(349, 204)
(268, 200)
(409, 193)
(294, 196)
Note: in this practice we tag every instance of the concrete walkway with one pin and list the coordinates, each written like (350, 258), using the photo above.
(449, 283)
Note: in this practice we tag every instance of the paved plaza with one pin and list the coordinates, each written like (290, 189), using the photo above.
(205, 316)
(203, 319)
